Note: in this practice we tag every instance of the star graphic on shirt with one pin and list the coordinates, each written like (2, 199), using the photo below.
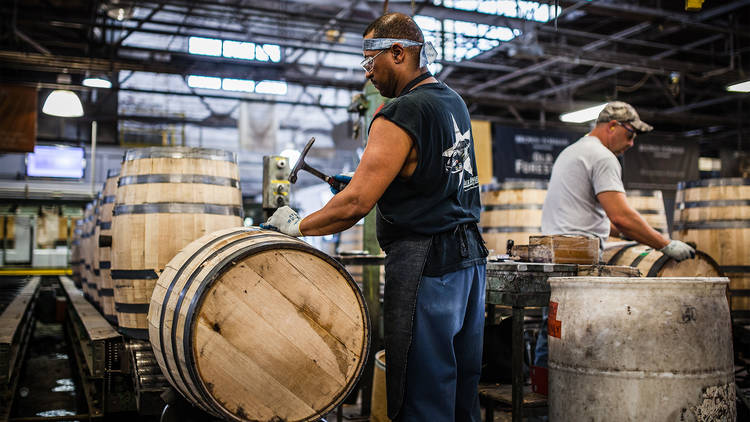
(459, 159)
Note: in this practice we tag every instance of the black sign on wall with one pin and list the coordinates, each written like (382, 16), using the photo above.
(660, 164)
(522, 154)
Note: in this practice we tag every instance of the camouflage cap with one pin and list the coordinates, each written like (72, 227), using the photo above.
(623, 113)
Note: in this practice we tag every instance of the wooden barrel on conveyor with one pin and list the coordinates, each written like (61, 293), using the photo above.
(76, 254)
(166, 198)
(251, 324)
(653, 263)
(104, 245)
(715, 215)
(87, 273)
(511, 210)
(94, 253)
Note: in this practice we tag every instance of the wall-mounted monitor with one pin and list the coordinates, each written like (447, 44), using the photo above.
(55, 161)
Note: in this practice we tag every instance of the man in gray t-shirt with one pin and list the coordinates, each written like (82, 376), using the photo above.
(581, 172)
(586, 196)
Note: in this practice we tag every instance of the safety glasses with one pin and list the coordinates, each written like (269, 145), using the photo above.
(369, 62)
(632, 131)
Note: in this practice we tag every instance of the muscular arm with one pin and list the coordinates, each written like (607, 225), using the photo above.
(627, 220)
(388, 153)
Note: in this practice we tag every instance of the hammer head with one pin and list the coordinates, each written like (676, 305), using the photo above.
(300, 161)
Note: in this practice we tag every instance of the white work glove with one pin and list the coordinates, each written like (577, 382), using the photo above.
(678, 250)
(284, 220)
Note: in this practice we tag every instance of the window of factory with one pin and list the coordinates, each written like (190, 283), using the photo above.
(271, 87)
(531, 10)
(239, 50)
(195, 81)
(235, 49)
(204, 46)
(459, 40)
(243, 85)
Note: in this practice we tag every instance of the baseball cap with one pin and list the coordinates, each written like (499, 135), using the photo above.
(623, 113)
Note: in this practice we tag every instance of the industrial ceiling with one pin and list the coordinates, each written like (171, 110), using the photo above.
(673, 65)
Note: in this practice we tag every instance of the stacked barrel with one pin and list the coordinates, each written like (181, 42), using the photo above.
(650, 205)
(87, 273)
(715, 215)
(165, 199)
(76, 256)
(104, 246)
(93, 251)
(511, 211)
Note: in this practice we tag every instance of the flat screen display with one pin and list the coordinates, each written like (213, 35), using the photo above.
(55, 161)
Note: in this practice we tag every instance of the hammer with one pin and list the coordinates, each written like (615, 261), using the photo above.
(301, 165)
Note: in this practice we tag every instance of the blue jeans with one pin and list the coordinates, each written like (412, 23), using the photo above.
(445, 356)
(541, 351)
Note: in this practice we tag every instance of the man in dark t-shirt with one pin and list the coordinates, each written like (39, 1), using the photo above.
(420, 170)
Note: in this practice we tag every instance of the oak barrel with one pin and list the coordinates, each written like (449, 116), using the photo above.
(715, 215)
(94, 281)
(104, 245)
(650, 205)
(251, 324)
(640, 349)
(511, 210)
(76, 254)
(653, 263)
(166, 198)
(87, 280)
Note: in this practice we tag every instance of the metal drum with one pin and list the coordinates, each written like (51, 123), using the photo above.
(640, 349)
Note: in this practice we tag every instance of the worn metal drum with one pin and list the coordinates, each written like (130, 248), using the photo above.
(640, 349)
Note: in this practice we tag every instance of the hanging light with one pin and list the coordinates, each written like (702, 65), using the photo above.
(119, 9)
(97, 83)
(739, 87)
(585, 115)
(63, 103)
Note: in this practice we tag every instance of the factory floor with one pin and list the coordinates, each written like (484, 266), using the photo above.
(47, 386)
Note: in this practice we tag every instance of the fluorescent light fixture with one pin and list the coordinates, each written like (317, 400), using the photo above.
(585, 115)
(63, 103)
(97, 83)
(204, 46)
(207, 82)
(740, 87)
(271, 87)
(244, 85)
(239, 50)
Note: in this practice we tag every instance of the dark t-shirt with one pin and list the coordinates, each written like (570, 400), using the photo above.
(443, 192)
